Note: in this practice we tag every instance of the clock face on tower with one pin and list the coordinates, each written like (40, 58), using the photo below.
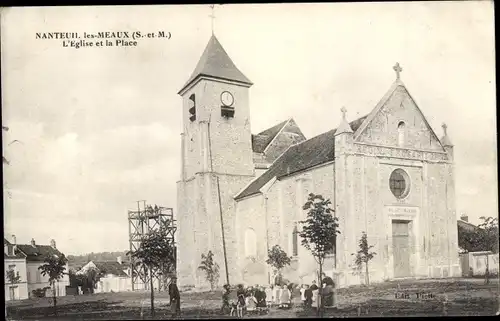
(227, 98)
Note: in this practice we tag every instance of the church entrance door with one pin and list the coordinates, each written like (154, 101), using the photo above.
(401, 248)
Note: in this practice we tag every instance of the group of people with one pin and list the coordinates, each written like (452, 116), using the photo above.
(311, 296)
(255, 299)
(258, 299)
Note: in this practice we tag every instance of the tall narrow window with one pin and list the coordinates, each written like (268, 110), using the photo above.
(401, 133)
(250, 243)
(192, 107)
(295, 241)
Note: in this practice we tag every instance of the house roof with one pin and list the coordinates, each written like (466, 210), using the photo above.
(111, 267)
(309, 153)
(466, 225)
(215, 62)
(37, 253)
(17, 255)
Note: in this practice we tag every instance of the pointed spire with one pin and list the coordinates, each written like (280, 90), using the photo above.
(344, 126)
(215, 63)
(446, 140)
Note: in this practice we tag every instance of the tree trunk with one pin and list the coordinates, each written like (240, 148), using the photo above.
(320, 304)
(54, 297)
(367, 275)
(152, 292)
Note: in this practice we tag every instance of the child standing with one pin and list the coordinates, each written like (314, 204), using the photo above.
(269, 296)
(308, 294)
(303, 294)
(251, 302)
(240, 305)
(225, 299)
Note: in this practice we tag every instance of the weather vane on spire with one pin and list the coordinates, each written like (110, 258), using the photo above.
(212, 16)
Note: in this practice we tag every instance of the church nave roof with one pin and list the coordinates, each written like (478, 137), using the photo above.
(309, 153)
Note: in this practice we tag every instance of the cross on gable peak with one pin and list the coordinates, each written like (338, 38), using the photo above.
(445, 127)
(344, 111)
(397, 68)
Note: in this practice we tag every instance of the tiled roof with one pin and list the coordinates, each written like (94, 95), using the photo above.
(37, 253)
(304, 155)
(215, 62)
(17, 255)
(466, 225)
(262, 139)
(111, 267)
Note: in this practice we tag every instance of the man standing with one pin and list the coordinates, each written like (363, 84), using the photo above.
(175, 297)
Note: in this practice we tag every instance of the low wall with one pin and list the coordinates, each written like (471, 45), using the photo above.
(475, 263)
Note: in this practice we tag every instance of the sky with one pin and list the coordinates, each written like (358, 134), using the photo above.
(100, 127)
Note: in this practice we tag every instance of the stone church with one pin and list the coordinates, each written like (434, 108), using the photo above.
(387, 174)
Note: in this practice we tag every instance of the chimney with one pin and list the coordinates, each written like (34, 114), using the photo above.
(119, 260)
(464, 218)
(14, 245)
(33, 243)
(53, 244)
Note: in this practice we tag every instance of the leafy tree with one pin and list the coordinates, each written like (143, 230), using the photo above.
(211, 269)
(278, 259)
(54, 268)
(364, 255)
(91, 277)
(482, 238)
(319, 231)
(490, 236)
(13, 277)
(156, 251)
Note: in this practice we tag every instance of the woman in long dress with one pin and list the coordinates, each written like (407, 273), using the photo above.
(175, 297)
(285, 297)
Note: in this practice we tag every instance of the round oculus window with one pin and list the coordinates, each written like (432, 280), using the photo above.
(399, 183)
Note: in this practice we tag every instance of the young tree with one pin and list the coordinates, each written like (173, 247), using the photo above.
(211, 269)
(54, 268)
(489, 239)
(278, 259)
(155, 252)
(319, 231)
(364, 255)
(13, 277)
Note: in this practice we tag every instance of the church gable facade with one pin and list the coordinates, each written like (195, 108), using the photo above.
(386, 174)
(398, 111)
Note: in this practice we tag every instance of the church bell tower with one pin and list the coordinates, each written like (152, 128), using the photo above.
(216, 116)
(217, 161)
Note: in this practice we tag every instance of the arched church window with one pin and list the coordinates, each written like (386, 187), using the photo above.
(250, 243)
(192, 107)
(399, 183)
(295, 241)
(401, 133)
